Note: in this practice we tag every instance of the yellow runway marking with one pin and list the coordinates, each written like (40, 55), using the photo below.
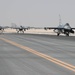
(54, 60)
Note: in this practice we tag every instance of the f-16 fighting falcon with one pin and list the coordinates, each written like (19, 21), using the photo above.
(2, 28)
(64, 29)
(21, 29)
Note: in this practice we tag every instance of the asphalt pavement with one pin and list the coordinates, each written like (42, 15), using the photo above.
(36, 54)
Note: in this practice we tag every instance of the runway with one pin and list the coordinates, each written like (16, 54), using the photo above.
(36, 54)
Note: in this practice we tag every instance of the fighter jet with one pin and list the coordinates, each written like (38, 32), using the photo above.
(20, 29)
(2, 28)
(64, 29)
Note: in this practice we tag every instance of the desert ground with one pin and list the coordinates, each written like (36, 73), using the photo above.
(34, 31)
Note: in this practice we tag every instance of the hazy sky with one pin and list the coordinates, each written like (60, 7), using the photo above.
(37, 12)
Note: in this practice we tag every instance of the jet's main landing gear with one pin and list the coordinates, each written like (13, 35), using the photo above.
(58, 34)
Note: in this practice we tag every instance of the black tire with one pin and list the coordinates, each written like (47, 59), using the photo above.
(58, 34)
(67, 34)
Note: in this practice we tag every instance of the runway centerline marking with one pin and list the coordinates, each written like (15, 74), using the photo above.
(47, 57)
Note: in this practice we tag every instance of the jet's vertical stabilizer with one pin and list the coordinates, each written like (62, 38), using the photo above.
(60, 23)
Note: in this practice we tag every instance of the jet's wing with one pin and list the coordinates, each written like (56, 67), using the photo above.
(20, 28)
(53, 28)
(15, 27)
(72, 28)
(4, 27)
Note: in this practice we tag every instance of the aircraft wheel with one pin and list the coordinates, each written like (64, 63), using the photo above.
(67, 34)
(1, 31)
(58, 34)
(17, 31)
(23, 31)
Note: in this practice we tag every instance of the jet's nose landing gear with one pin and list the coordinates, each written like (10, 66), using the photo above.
(67, 34)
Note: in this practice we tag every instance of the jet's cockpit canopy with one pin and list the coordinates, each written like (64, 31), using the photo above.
(67, 26)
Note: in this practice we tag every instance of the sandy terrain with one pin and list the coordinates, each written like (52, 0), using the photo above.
(39, 31)
(34, 31)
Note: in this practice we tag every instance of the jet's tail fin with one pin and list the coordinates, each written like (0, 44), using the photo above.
(60, 22)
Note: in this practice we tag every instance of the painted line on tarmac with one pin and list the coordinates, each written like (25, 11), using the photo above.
(47, 57)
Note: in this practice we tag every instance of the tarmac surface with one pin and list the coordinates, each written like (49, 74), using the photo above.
(36, 54)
